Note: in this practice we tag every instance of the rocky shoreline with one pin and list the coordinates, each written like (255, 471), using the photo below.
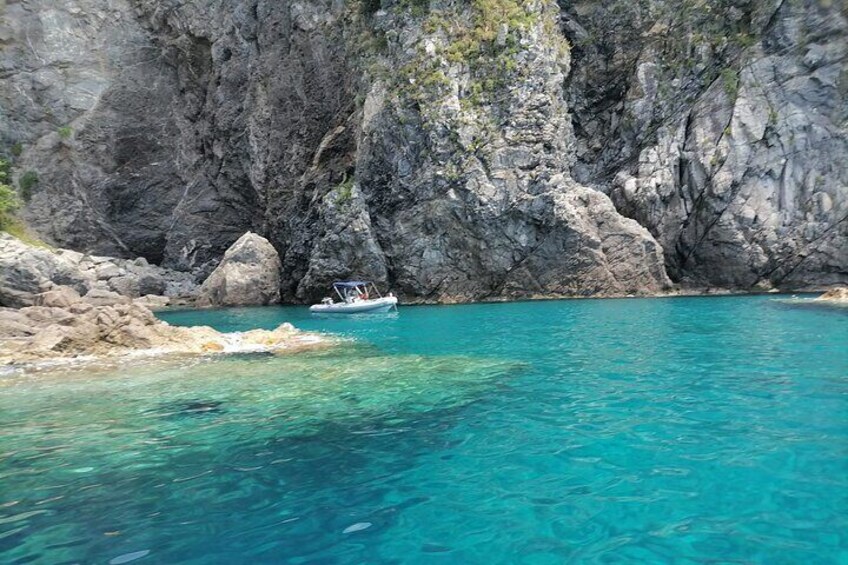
(678, 292)
(26, 271)
(64, 326)
(63, 306)
(248, 274)
(836, 296)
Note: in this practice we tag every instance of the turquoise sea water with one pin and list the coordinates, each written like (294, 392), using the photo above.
(685, 430)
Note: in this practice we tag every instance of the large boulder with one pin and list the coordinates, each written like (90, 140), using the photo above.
(126, 285)
(249, 274)
(151, 283)
(14, 324)
(137, 279)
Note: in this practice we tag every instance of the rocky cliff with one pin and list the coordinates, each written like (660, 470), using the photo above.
(453, 150)
(721, 127)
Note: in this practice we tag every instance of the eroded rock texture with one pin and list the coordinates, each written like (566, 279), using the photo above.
(721, 127)
(463, 161)
(27, 271)
(87, 102)
(452, 150)
(249, 274)
(64, 326)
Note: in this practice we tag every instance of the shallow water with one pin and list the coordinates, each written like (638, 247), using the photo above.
(686, 429)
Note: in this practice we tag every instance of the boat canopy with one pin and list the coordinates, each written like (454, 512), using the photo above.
(350, 291)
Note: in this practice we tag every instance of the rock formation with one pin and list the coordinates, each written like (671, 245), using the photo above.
(27, 271)
(839, 294)
(249, 274)
(451, 150)
(722, 127)
(64, 325)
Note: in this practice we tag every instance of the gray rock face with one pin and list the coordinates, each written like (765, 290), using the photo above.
(88, 97)
(345, 245)
(136, 285)
(249, 274)
(466, 179)
(27, 271)
(729, 146)
(28, 275)
(447, 152)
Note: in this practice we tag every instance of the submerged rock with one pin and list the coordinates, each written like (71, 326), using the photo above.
(249, 274)
(184, 408)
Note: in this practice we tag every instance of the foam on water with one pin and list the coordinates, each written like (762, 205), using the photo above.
(586, 431)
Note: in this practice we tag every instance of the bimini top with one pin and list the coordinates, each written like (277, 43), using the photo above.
(350, 284)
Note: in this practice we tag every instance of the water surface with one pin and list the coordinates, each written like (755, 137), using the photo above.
(687, 429)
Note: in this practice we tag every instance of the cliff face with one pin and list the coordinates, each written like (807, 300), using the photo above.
(721, 127)
(86, 107)
(454, 150)
(463, 156)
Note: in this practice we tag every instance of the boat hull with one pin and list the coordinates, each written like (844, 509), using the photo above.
(363, 306)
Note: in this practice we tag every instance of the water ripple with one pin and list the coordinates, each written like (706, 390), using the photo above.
(578, 431)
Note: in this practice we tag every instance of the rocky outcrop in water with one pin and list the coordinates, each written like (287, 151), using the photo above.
(64, 326)
(450, 150)
(839, 294)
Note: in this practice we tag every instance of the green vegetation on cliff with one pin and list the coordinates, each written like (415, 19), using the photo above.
(493, 31)
(26, 183)
(481, 40)
(9, 201)
(344, 191)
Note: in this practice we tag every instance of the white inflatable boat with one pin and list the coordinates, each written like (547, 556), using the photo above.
(356, 298)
